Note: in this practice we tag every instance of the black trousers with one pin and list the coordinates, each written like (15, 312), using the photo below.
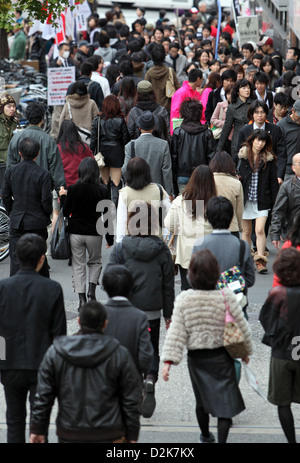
(17, 385)
(154, 326)
(15, 234)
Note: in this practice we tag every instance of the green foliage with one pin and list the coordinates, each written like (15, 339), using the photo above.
(35, 9)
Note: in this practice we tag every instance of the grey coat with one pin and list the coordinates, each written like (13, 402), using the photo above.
(130, 327)
(236, 117)
(181, 65)
(226, 248)
(156, 153)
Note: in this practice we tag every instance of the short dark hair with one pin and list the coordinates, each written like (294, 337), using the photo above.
(103, 40)
(240, 84)
(86, 69)
(229, 74)
(255, 105)
(35, 112)
(62, 45)
(204, 271)
(219, 212)
(194, 74)
(126, 67)
(138, 174)
(158, 54)
(191, 109)
(117, 281)
(287, 267)
(29, 249)
(282, 99)
(92, 317)
(227, 36)
(290, 65)
(261, 77)
(79, 88)
(29, 148)
(248, 46)
(296, 51)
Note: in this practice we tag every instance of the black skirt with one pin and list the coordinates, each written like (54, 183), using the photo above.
(214, 382)
(113, 156)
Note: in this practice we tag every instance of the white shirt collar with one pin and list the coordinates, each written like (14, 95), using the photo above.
(261, 128)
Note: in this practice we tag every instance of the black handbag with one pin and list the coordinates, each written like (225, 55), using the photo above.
(60, 242)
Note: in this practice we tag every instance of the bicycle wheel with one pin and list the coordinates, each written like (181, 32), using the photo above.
(4, 234)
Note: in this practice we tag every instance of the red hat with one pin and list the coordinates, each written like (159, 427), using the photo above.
(265, 41)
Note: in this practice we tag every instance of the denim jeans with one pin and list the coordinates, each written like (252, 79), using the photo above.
(181, 183)
(17, 384)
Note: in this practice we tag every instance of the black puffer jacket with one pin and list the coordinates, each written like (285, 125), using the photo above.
(192, 144)
(150, 263)
(97, 386)
(112, 132)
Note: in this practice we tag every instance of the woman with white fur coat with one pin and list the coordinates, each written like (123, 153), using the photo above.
(198, 323)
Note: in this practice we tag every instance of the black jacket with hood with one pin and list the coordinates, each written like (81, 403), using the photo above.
(97, 387)
(150, 263)
(192, 145)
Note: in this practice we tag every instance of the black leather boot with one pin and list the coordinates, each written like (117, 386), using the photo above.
(92, 292)
(82, 299)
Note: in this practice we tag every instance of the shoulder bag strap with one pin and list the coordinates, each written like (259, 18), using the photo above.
(160, 191)
(70, 112)
(98, 136)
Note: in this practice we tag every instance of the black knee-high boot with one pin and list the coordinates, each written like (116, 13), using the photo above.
(92, 292)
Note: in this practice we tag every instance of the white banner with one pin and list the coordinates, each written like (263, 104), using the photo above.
(248, 29)
(58, 83)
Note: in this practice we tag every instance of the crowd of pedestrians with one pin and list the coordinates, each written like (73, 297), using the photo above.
(183, 143)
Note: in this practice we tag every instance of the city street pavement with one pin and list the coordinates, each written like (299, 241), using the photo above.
(174, 419)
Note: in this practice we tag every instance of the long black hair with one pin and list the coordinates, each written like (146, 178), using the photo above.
(68, 137)
(88, 171)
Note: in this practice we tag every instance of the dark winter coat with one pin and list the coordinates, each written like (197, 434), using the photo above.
(236, 118)
(267, 187)
(162, 129)
(192, 144)
(150, 262)
(32, 315)
(280, 319)
(97, 387)
(286, 207)
(278, 144)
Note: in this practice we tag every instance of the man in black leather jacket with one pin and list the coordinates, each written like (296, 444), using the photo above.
(96, 383)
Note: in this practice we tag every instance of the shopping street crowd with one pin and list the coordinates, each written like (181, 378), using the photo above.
(197, 160)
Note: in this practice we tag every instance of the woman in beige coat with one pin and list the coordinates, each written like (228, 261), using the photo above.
(229, 186)
(186, 217)
(79, 107)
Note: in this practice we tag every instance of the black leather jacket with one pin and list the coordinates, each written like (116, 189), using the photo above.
(286, 207)
(97, 386)
(112, 132)
(191, 145)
